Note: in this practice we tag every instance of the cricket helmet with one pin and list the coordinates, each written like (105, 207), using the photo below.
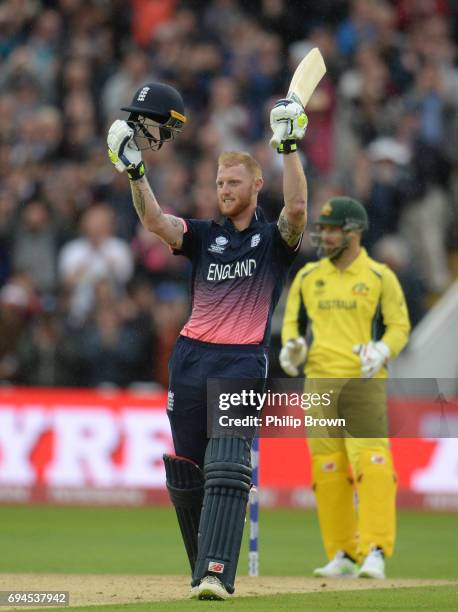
(157, 115)
(343, 212)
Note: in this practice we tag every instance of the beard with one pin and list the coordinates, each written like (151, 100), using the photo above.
(334, 252)
(330, 248)
(236, 207)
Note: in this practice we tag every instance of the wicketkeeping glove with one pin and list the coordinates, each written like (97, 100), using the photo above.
(373, 356)
(292, 355)
(288, 122)
(122, 150)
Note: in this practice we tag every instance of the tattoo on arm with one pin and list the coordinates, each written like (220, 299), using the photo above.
(168, 227)
(289, 232)
(139, 201)
(177, 225)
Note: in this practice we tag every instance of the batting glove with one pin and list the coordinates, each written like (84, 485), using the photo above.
(373, 356)
(288, 122)
(292, 355)
(123, 151)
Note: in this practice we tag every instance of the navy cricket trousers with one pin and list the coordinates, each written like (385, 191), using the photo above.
(191, 364)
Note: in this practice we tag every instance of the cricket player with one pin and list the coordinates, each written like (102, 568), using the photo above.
(239, 267)
(346, 317)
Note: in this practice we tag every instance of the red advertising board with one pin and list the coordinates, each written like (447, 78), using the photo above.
(93, 447)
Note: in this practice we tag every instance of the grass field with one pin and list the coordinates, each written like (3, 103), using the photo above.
(145, 541)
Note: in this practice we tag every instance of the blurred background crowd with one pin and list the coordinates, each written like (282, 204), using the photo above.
(87, 297)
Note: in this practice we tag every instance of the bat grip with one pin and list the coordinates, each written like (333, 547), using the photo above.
(279, 135)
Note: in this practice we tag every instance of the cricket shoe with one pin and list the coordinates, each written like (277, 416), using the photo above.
(339, 567)
(374, 565)
(211, 587)
(194, 593)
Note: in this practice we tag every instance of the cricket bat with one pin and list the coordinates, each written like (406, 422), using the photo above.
(305, 79)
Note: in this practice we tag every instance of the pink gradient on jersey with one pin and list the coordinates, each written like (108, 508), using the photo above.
(229, 313)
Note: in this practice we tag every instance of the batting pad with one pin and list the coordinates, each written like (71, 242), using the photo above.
(185, 482)
(333, 489)
(376, 486)
(227, 472)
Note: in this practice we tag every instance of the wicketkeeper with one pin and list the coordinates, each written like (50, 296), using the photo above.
(239, 267)
(345, 318)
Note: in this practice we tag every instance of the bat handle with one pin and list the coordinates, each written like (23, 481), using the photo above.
(279, 135)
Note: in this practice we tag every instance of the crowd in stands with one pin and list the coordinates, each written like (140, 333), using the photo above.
(87, 296)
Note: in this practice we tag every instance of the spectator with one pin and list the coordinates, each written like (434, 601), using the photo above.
(110, 349)
(17, 304)
(34, 246)
(394, 251)
(147, 17)
(386, 195)
(48, 355)
(153, 260)
(138, 313)
(170, 313)
(358, 28)
(117, 92)
(45, 43)
(227, 115)
(96, 255)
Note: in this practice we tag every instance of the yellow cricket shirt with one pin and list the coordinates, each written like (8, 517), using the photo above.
(342, 308)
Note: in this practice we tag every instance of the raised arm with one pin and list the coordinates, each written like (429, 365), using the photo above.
(125, 156)
(168, 227)
(293, 216)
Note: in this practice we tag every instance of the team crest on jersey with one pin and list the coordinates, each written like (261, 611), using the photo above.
(360, 289)
(255, 240)
(219, 245)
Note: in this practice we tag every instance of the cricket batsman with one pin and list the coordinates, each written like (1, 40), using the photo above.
(346, 317)
(239, 266)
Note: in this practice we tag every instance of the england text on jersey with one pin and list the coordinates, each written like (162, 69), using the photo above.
(239, 269)
(237, 279)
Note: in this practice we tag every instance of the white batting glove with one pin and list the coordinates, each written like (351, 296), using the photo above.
(292, 355)
(288, 120)
(123, 151)
(373, 356)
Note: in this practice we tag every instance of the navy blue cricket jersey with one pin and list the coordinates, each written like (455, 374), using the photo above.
(237, 279)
